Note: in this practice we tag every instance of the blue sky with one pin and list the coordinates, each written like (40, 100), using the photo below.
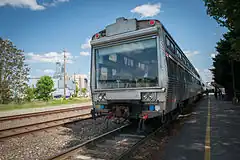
(42, 28)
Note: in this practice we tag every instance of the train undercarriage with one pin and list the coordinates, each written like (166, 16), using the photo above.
(129, 112)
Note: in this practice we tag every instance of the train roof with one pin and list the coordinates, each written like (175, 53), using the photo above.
(123, 25)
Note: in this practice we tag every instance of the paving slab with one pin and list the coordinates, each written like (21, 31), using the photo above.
(213, 132)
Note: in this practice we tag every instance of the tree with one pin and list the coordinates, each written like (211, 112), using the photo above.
(76, 90)
(223, 63)
(84, 90)
(44, 88)
(227, 14)
(13, 72)
(30, 93)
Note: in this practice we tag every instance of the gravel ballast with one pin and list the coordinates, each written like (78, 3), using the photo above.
(47, 143)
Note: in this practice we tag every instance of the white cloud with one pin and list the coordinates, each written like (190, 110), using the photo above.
(213, 55)
(54, 3)
(48, 71)
(206, 75)
(84, 53)
(147, 10)
(50, 57)
(191, 53)
(86, 45)
(32, 4)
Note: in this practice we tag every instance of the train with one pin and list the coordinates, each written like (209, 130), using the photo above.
(138, 70)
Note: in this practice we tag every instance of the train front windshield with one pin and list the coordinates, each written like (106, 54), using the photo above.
(127, 65)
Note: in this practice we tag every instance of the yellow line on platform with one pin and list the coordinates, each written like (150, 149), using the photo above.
(207, 138)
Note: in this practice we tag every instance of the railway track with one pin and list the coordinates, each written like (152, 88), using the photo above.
(20, 130)
(31, 122)
(116, 144)
(106, 146)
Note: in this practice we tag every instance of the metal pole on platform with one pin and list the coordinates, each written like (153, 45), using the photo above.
(233, 80)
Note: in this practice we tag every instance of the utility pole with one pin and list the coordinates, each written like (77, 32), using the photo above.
(64, 73)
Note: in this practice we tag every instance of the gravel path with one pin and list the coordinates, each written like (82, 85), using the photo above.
(41, 145)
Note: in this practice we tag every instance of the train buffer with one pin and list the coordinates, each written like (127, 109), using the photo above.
(212, 133)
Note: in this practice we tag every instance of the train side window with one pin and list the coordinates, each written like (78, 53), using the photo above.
(170, 45)
(179, 54)
(172, 48)
(168, 42)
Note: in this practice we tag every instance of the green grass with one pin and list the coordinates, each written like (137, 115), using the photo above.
(38, 104)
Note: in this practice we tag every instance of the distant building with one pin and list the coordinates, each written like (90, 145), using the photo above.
(82, 80)
(71, 81)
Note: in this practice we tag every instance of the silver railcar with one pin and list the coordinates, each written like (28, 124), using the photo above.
(137, 69)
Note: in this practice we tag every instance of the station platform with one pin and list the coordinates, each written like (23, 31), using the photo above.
(212, 132)
(41, 109)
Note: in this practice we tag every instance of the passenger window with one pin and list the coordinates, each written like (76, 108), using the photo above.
(168, 42)
(170, 45)
(172, 48)
(179, 54)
